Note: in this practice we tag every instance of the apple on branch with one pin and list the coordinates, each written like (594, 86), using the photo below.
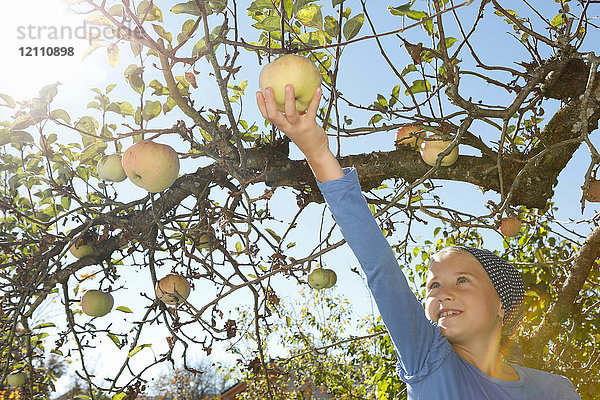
(332, 278)
(410, 136)
(82, 247)
(319, 278)
(151, 166)
(17, 379)
(430, 149)
(292, 69)
(96, 303)
(510, 226)
(110, 168)
(172, 289)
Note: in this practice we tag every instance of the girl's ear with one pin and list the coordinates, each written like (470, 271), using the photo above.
(501, 314)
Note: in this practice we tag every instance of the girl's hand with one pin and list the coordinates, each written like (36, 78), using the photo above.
(301, 128)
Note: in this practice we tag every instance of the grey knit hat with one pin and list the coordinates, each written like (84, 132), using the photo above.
(508, 283)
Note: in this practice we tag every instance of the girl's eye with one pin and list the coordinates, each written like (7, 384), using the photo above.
(462, 280)
(434, 285)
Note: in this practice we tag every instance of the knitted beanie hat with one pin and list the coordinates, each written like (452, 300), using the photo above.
(508, 283)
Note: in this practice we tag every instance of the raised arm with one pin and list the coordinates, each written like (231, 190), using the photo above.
(418, 343)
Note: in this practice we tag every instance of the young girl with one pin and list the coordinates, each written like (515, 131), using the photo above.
(452, 350)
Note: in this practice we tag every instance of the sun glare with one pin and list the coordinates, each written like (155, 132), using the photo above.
(43, 44)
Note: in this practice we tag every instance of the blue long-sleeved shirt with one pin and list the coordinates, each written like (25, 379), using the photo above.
(427, 362)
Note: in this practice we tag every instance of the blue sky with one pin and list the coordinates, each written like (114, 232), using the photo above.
(361, 79)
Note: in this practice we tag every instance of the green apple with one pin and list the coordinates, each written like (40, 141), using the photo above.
(168, 288)
(110, 168)
(431, 148)
(17, 379)
(96, 303)
(510, 226)
(81, 248)
(410, 136)
(332, 278)
(292, 69)
(151, 166)
(318, 278)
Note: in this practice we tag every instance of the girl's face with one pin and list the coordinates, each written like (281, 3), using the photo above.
(462, 300)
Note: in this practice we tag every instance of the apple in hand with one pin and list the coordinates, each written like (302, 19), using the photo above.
(172, 288)
(593, 193)
(318, 278)
(151, 166)
(410, 136)
(81, 248)
(431, 148)
(17, 379)
(292, 69)
(110, 168)
(510, 226)
(96, 303)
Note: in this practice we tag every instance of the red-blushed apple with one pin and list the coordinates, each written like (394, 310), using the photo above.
(431, 148)
(410, 136)
(172, 289)
(81, 248)
(292, 69)
(332, 278)
(593, 193)
(96, 303)
(17, 379)
(318, 278)
(110, 168)
(510, 226)
(151, 166)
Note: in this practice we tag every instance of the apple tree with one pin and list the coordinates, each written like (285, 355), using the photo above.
(513, 86)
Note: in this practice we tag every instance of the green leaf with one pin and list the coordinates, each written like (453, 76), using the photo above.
(114, 339)
(332, 27)
(45, 325)
(116, 10)
(401, 10)
(121, 107)
(124, 309)
(187, 8)
(273, 234)
(10, 102)
(21, 137)
(133, 75)
(558, 20)
(87, 124)
(407, 69)
(61, 114)
(449, 42)
(416, 15)
(119, 396)
(418, 86)
(112, 52)
(47, 93)
(311, 16)
(92, 151)
(147, 12)
(137, 350)
(151, 110)
(162, 33)
(238, 246)
(168, 105)
(269, 24)
(353, 25)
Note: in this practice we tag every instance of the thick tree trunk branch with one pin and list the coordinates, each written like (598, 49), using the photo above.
(564, 305)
